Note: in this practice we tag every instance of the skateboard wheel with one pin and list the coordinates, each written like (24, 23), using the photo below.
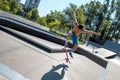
(66, 60)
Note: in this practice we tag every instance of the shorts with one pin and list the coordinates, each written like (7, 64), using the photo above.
(74, 38)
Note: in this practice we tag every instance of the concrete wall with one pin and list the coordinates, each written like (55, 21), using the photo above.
(32, 4)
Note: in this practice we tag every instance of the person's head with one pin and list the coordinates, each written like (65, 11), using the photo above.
(80, 26)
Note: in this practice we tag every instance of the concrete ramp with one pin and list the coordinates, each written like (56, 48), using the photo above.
(99, 50)
(105, 53)
(38, 42)
(37, 64)
(33, 63)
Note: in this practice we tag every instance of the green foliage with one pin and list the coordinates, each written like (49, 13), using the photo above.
(6, 8)
(4, 5)
(105, 26)
(20, 10)
(68, 20)
(54, 25)
(0, 4)
(54, 20)
(42, 21)
(94, 16)
(81, 15)
(14, 11)
(117, 15)
(13, 5)
(33, 14)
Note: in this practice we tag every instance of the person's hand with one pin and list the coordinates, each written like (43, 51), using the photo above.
(98, 34)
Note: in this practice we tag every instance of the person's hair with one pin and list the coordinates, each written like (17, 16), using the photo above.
(80, 26)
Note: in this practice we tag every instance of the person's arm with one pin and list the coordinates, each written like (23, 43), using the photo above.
(74, 18)
(92, 32)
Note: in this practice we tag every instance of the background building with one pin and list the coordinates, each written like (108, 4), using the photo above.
(31, 4)
(19, 1)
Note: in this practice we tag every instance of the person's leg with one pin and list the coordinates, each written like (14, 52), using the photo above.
(75, 44)
(75, 47)
(68, 37)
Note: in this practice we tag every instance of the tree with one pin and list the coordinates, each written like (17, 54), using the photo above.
(42, 21)
(13, 4)
(105, 27)
(15, 7)
(118, 20)
(33, 14)
(4, 5)
(54, 19)
(0, 4)
(117, 15)
(93, 16)
(114, 32)
(108, 10)
(54, 25)
(99, 17)
(80, 13)
(115, 28)
(68, 20)
(20, 10)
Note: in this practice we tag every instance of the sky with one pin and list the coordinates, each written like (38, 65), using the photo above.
(46, 6)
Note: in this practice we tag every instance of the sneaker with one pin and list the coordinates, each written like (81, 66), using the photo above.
(71, 54)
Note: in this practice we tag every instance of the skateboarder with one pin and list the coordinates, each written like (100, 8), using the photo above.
(77, 30)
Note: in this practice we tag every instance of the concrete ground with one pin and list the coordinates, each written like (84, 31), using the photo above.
(22, 61)
(100, 51)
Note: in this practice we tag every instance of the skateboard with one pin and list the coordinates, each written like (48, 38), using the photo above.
(66, 52)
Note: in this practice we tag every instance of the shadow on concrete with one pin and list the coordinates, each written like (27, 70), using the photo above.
(53, 74)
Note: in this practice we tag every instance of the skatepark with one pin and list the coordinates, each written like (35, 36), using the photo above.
(30, 52)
